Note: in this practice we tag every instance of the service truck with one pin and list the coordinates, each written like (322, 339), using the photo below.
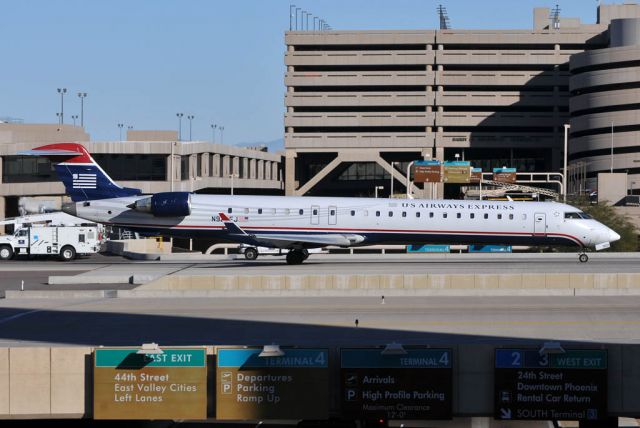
(64, 242)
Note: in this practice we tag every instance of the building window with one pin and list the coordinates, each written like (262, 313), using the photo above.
(26, 169)
(139, 167)
(184, 168)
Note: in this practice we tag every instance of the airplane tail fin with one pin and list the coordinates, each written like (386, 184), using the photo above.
(83, 178)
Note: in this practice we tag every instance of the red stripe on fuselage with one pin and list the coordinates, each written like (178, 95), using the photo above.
(329, 229)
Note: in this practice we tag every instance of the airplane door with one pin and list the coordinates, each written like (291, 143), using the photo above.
(315, 214)
(540, 225)
(333, 215)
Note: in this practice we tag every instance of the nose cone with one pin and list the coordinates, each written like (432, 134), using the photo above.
(70, 208)
(613, 236)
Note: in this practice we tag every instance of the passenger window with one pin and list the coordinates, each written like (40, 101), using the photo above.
(377, 213)
(259, 210)
(510, 216)
(246, 210)
(499, 216)
(230, 210)
(472, 215)
(390, 213)
(459, 215)
(418, 214)
(333, 212)
(444, 215)
(301, 212)
(315, 212)
(404, 213)
(486, 216)
(353, 213)
(430, 215)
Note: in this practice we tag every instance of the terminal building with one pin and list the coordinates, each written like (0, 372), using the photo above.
(154, 161)
(360, 105)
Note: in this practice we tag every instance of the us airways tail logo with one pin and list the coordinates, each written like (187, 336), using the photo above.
(84, 181)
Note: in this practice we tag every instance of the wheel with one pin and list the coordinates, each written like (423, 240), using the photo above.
(305, 254)
(67, 253)
(583, 258)
(6, 252)
(295, 257)
(250, 253)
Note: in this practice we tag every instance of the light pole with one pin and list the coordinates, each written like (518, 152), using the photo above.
(120, 126)
(213, 132)
(564, 164)
(221, 128)
(62, 91)
(291, 7)
(231, 176)
(74, 117)
(58, 116)
(179, 116)
(190, 117)
(297, 9)
(314, 22)
(82, 96)
(611, 171)
(391, 187)
(375, 190)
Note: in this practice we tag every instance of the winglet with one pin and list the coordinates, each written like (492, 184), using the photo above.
(230, 225)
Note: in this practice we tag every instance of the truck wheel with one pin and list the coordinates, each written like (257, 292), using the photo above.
(67, 253)
(6, 252)
(250, 253)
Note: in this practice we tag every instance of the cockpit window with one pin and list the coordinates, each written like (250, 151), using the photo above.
(578, 215)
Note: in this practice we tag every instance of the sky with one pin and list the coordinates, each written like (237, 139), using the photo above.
(143, 61)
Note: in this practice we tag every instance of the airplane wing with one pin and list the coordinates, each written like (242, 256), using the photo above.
(292, 240)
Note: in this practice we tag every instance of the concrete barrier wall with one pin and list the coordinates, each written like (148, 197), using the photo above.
(56, 382)
(43, 382)
(525, 283)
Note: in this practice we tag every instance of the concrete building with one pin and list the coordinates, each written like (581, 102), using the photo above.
(605, 108)
(357, 101)
(153, 166)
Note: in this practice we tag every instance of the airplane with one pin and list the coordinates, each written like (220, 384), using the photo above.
(301, 223)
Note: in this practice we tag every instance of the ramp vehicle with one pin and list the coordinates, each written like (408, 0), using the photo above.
(65, 242)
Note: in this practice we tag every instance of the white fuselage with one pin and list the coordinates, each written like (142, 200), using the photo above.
(377, 220)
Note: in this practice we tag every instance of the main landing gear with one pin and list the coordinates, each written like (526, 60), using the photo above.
(583, 258)
(296, 257)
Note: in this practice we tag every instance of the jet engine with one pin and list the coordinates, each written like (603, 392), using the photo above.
(165, 204)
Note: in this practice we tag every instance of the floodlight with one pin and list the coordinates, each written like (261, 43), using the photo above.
(272, 350)
(393, 348)
(150, 349)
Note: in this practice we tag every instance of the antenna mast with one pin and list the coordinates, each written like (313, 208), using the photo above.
(444, 18)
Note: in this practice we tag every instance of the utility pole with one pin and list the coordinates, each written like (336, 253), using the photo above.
(62, 91)
(82, 96)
